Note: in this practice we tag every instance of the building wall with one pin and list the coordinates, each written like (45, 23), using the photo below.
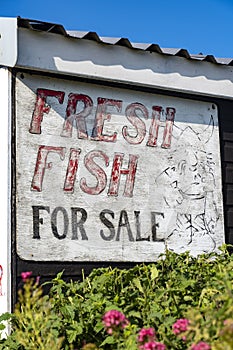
(226, 134)
(5, 153)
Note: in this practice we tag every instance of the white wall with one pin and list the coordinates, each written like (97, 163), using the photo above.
(5, 146)
(55, 53)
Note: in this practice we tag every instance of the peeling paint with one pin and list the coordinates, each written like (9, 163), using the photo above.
(134, 178)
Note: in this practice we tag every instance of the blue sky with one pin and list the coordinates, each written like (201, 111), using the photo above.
(196, 25)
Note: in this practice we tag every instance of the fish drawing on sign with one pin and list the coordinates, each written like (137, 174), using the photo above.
(189, 190)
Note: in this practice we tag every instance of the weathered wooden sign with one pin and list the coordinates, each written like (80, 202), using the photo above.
(109, 174)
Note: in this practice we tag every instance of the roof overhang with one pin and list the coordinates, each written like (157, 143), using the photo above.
(48, 47)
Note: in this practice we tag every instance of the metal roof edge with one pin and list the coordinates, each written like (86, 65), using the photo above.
(41, 26)
(9, 27)
(59, 29)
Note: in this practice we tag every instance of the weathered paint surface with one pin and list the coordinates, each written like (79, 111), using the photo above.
(1, 276)
(5, 245)
(106, 174)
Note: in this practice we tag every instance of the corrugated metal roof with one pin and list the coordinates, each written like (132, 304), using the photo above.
(59, 29)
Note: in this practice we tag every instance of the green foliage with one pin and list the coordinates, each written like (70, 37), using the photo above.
(153, 295)
(34, 324)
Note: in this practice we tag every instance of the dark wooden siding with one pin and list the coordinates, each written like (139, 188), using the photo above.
(226, 137)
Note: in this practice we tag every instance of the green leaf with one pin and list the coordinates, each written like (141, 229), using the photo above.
(6, 316)
(98, 327)
(71, 335)
(134, 313)
(154, 272)
(156, 315)
(68, 311)
(137, 283)
(112, 307)
(108, 340)
(188, 298)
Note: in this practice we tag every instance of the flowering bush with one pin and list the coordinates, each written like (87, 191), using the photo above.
(152, 345)
(180, 326)
(178, 303)
(147, 340)
(26, 275)
(201, 346)
(114, 321)
(146, 335)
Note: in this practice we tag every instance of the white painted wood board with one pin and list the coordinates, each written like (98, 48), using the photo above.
(5, 178)
(171, 196)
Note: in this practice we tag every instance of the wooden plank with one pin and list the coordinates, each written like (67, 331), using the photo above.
(228, 152)
(228, 135)
(70, 270)
(229, 237)
(229, 217)
(228, 190)
(228, 173)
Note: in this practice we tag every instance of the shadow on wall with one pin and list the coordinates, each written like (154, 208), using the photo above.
(87, 53)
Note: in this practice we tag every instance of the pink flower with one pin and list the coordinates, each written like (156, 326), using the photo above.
(146, 340)
(146, 335)
(201, 346)
(228, 322)
(228, 327)
(180, 326)
(114, 320)
(152, 345)
(26, 275)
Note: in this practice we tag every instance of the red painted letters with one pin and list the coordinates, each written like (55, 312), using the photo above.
(79, 118)
(101, 116)
(41, 164)
(154, 128)
(139, 125)
(167, 135)
(72, 170)
(41, 108)
(117, 171)
(155, 124)
(95, 170)
(136, 113)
